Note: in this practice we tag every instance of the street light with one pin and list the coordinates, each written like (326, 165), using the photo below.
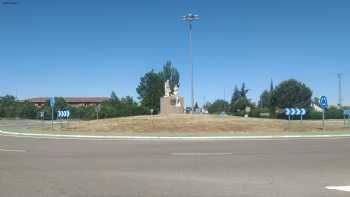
(190, 18)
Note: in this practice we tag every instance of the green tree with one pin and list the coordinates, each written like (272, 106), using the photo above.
(218, 106)
(265, 99)
(239, 100)
(114, 97)
(170, 73)
(196, 106)
(8, 106)
(291, 93)
(150, 89)
(236, 94)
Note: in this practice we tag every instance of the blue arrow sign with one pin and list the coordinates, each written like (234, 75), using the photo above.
(323, 102)
(63, 114)
(347, 112)
(294, 111)
(287, 111)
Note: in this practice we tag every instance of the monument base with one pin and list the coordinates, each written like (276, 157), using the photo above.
(172, 105)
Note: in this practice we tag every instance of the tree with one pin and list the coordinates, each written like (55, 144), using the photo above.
(316, 101)
(150, 90)
(236, 94)
(239, 100)
(243, 92)
(196, 106)
(265, 99)
(170, 73)
(291, 93)
(114, 97)
(218, 106)
(8, 106)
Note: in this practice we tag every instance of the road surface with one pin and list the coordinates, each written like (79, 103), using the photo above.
(32, 167)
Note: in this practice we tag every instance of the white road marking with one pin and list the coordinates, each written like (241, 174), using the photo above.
(200, 154)
(12, 150)
(340, 188)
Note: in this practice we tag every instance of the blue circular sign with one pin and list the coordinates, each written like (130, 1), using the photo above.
(323, 102)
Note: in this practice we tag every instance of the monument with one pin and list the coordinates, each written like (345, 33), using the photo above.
(171, 103)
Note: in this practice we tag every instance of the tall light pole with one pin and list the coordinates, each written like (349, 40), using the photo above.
(190, 18)
(340, 89)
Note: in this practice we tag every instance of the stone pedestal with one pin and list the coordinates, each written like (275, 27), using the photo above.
(172, 105)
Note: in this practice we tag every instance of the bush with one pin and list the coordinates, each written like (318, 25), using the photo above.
(255, 112)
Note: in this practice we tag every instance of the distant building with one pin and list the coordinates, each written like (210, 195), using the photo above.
(73, 101)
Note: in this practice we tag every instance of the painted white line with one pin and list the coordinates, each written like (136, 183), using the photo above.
(340, 188)
(113, 137)
(200, 154)
(12, 150)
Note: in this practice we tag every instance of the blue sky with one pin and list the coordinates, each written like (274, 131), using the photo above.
(89, 48)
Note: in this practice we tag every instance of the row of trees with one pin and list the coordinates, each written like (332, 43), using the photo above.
(11, 108)
(289, 93)
(150, 89)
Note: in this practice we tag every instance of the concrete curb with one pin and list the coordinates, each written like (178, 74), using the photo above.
(111, 137)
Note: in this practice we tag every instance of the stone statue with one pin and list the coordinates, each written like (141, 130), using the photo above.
(167, 89)
(176, 90)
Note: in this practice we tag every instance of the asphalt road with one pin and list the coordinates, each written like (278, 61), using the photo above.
(100, 168)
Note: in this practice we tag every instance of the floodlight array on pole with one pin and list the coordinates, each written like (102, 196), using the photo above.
(190, 18)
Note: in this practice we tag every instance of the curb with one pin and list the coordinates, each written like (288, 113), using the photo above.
(111, 137)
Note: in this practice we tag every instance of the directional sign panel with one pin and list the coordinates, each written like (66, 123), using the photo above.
(63, 114)
(347, 112)
(294, 111)
(287, 111)
(323, 102)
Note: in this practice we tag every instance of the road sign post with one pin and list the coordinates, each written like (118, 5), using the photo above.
(98, 109)
(52, 105)
(346, 118)
(324, 106)
(290, 112)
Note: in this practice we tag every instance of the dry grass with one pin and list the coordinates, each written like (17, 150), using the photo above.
(198, 123)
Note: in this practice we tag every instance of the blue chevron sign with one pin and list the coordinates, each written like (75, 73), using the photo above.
(294, 111)
(63, 114)
(347, 112)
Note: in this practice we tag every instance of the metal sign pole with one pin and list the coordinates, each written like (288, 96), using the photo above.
(323, 119)
(301, 121)
(288, 122)
(52, 117)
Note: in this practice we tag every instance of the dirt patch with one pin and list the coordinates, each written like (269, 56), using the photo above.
(198, 123)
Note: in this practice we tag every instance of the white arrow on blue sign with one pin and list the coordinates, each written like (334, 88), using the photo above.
(323, 102)
(295, 111)
(347, 112)
(63, 114)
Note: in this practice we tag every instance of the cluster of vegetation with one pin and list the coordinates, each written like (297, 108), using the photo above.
(151, 86)
(11, 108)
(150, 89)
(290, 93)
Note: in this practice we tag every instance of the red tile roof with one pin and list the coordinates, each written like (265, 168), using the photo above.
(70, 99)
